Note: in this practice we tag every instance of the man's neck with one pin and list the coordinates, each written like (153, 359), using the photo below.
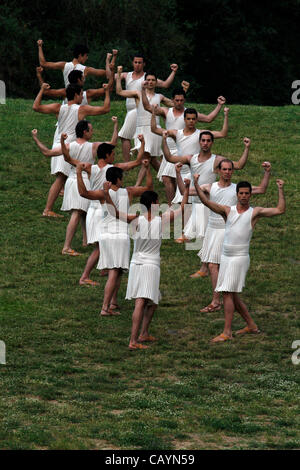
(224, 183)
(178, 112)
(138, 74)
(204, 155)
(81, 140)
(189, 131)
(242, 207)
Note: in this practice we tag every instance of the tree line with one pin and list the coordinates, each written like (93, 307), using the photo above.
(246, 51)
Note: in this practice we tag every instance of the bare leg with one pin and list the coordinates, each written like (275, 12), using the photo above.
(114, 299)
(71, 229)
(54, 191)
(83, 228)
(229, 308)
(170, 187)
(243, 311)
(215, 304)
(109, 289)
(148, 315)
(137, 319)
(90, 264)
(126, 145)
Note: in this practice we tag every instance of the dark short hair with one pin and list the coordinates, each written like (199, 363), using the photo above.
(225, 160)
(150, 73)
(243, 184)
(113, 174)
(140, 55)
(178, 91)
(190, 111)
(74, 76)
(72, 90)
(206, 133)
(104, 149)
(80, 49)
(148, 198)
(81, 126)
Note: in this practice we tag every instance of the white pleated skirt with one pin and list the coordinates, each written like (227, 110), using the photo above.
(143, 282)
(93, 223)
(197, 223)
(59, 165)
(232, 273)
(166, 169)
(128, 129)
(152, 141)
(114, 250)
(212, 245)
(72, 198)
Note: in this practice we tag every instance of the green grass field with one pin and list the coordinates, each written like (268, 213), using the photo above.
(70, 381)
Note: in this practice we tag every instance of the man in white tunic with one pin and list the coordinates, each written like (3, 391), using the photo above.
(222, 192)
(68, 116)
(114, 237)
(205, 164)
(240, 221)
(133, 81)
(80, 54)
(143, 119)
(97, 177)
(144, 272)
(174, 120)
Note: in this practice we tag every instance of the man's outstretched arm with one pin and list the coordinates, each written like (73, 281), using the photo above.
(48, 65)
(58, 93)
(211, 116)
(166, 83)
(271, 211)
(239, 165)
(44, 108)
(261, 189)
(224, 131)
(172, 158)
(218, 208)
(45, 150)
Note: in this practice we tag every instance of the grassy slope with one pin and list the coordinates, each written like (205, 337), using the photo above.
(70, 381)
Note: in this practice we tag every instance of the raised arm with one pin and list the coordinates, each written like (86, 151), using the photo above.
(45, 108)
(261, 189)
(170, 215)
(87, 110)
(239, 165)
(119, 89)
(166, 83)
(180, 182)
(65, 151)
(218, 208)
(173, 158)
(211, 116)
(224, 131)
(93, 195)
(135, 191)
(126, 166)
(58, 93)
(45, 150)
(44, 63)
(114, 137)
(271, 211)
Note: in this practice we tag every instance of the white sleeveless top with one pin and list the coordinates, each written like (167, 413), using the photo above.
(143, 116)
(238, 232)
(69, 66)
(224, 196)
(205, 171)
(173, 122)
(187, 144)
(81, 152)
(67, 121)
(147, 241)
(121, 201)
(97, 180)
(132, 84)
